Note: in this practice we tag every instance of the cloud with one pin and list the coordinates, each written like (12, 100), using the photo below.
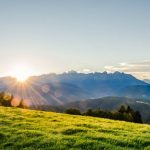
(138, 69)
(86, 70)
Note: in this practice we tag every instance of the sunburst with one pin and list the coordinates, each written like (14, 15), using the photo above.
(21, 72)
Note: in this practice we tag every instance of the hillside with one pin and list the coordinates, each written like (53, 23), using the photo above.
(112, 104)
(136, 91)
(29, 129)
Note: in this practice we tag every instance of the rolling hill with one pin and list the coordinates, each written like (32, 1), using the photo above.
(29, 129)
(112, 104)
(136, 91)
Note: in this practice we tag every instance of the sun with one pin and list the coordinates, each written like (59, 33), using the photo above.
(21, 72)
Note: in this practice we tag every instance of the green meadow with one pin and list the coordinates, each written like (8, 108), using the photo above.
(37, 130)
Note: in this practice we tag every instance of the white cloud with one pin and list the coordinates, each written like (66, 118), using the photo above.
(138, 69)
(86, 70)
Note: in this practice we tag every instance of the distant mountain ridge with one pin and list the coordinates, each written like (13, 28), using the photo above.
(112, 104)
(147, 81)
(56, 89)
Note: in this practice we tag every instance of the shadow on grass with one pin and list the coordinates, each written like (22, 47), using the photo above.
(73, 131)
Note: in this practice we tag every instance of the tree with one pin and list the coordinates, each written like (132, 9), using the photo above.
(129, 110)
(73, 111)
(89, 112)
(122, 109)
(21, 104)
(137, 117)
(5, 99)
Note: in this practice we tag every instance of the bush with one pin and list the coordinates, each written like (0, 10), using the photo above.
(73, 111)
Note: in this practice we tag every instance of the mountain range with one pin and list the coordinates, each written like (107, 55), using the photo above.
(58, 89)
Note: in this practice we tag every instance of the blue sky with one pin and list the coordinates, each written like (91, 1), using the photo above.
(61, 35)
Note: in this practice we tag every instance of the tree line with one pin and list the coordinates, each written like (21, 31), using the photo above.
(124, 113)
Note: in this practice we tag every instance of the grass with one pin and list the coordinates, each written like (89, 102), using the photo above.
(29, 130)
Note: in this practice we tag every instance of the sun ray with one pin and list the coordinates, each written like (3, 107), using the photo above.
(21, 72)
(33, 93)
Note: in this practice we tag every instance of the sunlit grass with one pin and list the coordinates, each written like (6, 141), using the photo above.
(29, 129)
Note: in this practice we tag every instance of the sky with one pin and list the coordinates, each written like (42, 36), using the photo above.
(82, 35)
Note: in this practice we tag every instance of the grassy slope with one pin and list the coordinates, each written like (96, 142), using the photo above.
(29, 129)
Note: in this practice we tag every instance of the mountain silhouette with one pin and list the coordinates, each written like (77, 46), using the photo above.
(56, 89)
